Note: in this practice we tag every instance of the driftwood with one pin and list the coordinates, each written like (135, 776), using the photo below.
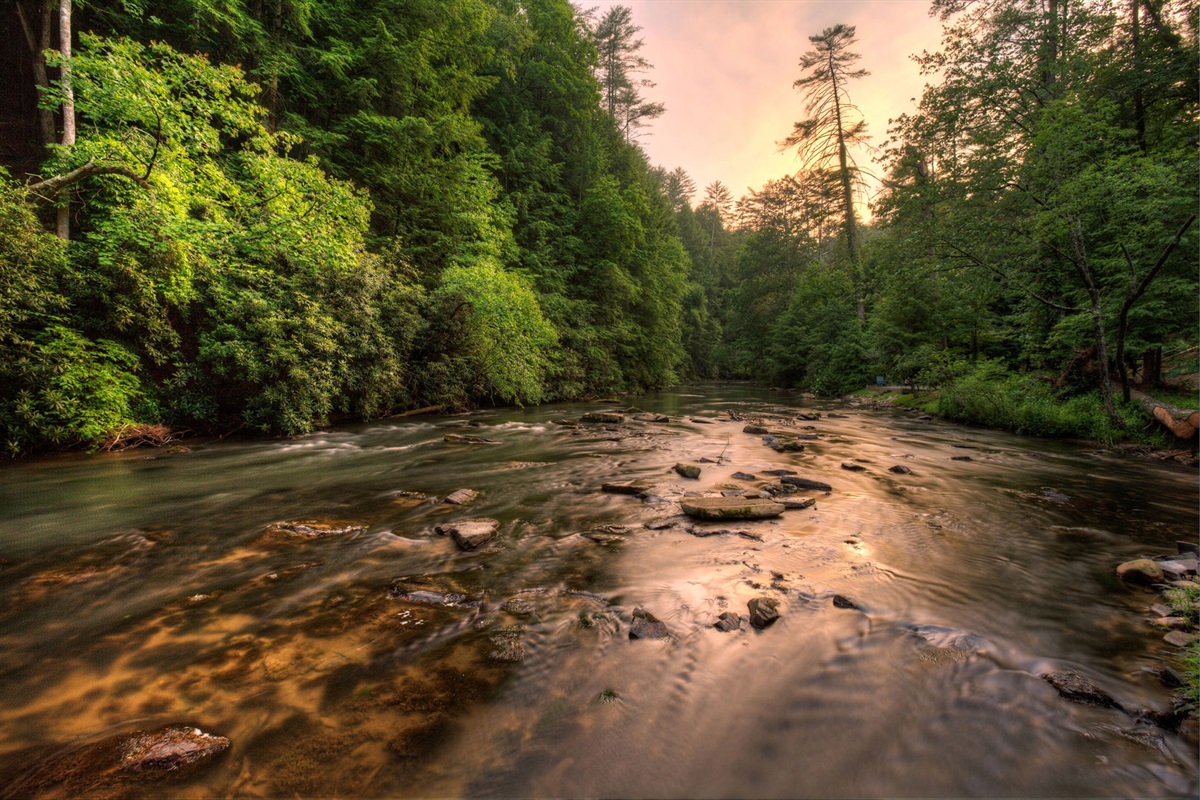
(416, 411)
(1183, 423)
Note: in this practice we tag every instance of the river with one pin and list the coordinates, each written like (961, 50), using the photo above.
(145, 588)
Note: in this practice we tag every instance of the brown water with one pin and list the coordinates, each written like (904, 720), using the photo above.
(136, 593)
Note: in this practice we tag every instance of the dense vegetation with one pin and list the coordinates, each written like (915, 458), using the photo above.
(388, 205)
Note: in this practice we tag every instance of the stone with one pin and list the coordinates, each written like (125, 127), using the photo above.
(810, 417)
(461, 497)
(687, 470)
(470, 533)
(634, 488)
(900, 469)
(1179, 638)
(787, 446)
(454, 438)
(961, 458)
(805, 483)
(660, 524)
(743, 476)
(1161, 610)
(603, 416)
(1171, 623)
(702, 421)
(706, 532)
(779, 472)
(1140, 570)
(758, 430)
(763, 611)
(1078, 689)
(796, 503)
(1178, 569)
(309, 530)
(647, 626)
(835, 415)
(844, 602)
(431, 597)
(728, 622)
(706, 460)
(850, 466)
(170, 749)
(730, 508)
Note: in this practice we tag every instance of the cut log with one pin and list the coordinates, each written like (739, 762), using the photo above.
(1183, 423)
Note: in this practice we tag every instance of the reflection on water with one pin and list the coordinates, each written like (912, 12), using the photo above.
(382, 660)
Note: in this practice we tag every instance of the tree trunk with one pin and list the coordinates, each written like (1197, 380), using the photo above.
(38, 45)
(1097, 311)
(1184, 423)
(847, 194)
(68, 106)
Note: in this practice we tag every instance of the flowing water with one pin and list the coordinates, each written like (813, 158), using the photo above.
(141, 589)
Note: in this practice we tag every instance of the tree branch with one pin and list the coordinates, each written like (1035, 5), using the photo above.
(50, 187)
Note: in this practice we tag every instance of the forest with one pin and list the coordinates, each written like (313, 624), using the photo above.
(274, 215)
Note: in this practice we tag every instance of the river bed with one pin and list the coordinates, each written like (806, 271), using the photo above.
(148, 588)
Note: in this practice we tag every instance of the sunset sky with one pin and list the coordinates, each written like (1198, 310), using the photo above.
(725, 69)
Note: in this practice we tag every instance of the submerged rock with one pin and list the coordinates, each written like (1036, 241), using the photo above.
(1078, 689)
(170, 749)
(647, 626)
(728, 621)
(842, 601)
(470, 533)
(900, 469)
(308, 530)
(454, 438)
(763, 611)
(787, 446)
(1140, 570)
(729, 508)
(687, 470)
(755, 429)
(603, 416)
(634, 488)
(850, 466)
(779, 472)
(461, 497)
(796, 503)
(743, 476)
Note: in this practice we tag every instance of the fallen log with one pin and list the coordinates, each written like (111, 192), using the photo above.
(414, 412)
(1183, 423)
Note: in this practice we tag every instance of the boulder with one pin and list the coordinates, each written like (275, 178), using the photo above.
(728, 621)
(461, 497)
(170, 749)
(763, 611)
(805, 483)
(729, 508)
(470, 533)
(647, 626)
(1140, 570)
(688, 470)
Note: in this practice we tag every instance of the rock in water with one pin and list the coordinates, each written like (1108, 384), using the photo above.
(755, 429)
(743, 476)
(787, 446)
(461, 497)
(454, 438)
(796, 503)
(728, 621)
(170, 749)
(850, 466)
(900, 469)
(1141, 570)
(763, 611)
(1079, 689)
(805, 483)
(688, 470)
(634, 488)
(470, 533)
(729, 508)
(647, 626)
(308, 530)
(603, 416)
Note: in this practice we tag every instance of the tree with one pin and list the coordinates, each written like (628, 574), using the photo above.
(619, 64)
(823, 139)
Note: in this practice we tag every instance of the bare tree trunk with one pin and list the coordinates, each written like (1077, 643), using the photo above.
(68, 106)
(1097, 310)
(847, 194)
(38, 45)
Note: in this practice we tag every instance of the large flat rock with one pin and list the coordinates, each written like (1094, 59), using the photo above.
(729, 508)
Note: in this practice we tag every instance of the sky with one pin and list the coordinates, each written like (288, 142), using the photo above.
(725, 68)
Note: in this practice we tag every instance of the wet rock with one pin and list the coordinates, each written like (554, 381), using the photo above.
(787, 446)
(461, 497)
(728, 622)
(796, 503)
(805, 483)
(729, 508)
(507, 645)
(634, 488)
(812, 416)
(706, 532)
(1184, 548)
(1179, 638)
(743, 476)
(705, 460)
(603, 416)
(763, 611)
(842, 601)
(835, 415)
(961, 458)
(757, 430)
(309, 530)
(1178, 569)
(1170, 678)
(687, 470)
(778, 472)
(850, 466)
(652, 499)
(1171, 623)
(566, 423)
(653, 418)
(518, 607)
(647, 626)
(1141, 571)
(470, 533)
(429, 597)
(900, 469)
(660, 524)
(1078, 689)
(455, 438)
(702, 421)
(170, 749)
(1161, 610)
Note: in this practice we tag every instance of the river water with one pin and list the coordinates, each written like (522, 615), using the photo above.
(144, 589)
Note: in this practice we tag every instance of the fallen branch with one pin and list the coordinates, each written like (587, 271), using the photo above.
(50, 187)
(416, 411)
(1184, 423)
